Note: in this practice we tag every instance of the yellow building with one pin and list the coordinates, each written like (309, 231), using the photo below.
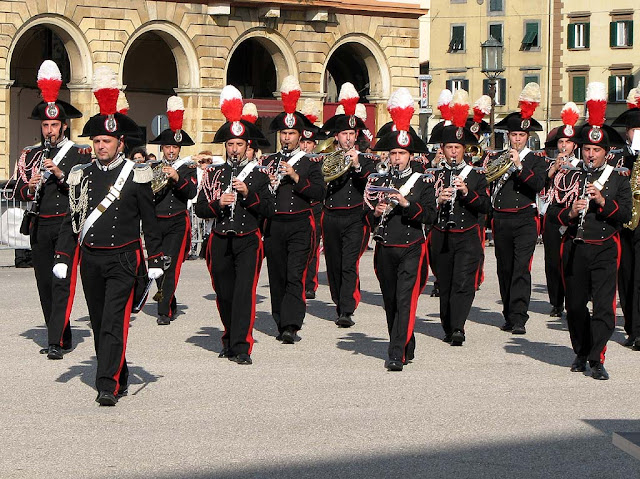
(193, 48)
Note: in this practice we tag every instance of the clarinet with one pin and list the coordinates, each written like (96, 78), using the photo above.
(279, 175)
(232, 206)
(579, 238)
(452, 202)
(378, 232)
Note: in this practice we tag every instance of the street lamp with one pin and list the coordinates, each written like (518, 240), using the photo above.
(492, 68)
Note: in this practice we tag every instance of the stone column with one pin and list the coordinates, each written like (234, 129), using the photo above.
(82, 98)
(5, 100)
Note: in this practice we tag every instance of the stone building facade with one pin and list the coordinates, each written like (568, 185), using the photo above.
(194, 48)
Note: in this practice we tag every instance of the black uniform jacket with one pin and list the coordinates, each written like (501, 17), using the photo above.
(599, 223)
(467, 209)
(248, 212)
(295, 198)
(172, 199)
(403, 226)
(518, 194)
(347, 191)
(53, 193)
(118, 228)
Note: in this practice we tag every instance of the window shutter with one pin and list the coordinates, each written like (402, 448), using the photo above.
(503, 90)
(465, 85)
(630, 33)
(612, 34)
(485, 87)
(587, 28)
(571, 35)
(628, 85)
(579, 89)
(612, 88)
(449, 85)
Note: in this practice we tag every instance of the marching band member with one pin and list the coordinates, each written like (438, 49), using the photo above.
(107, 200)
(456, 237)
(629, 274)
(297, 181)
(564, 141)
(515, 215)
(42, 173)
(590, 249)
(398, 216)
(171, 206)
(236, 195)
(344, 236)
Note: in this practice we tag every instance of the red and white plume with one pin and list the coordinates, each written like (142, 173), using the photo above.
(105, 89)
(290, 91)
(339, 110)
(400, 106)
(123, 104)
(361, 111)
(444, 106)
(460, 108)
(310, 110)
(250, 112)
(348, 98)
(481, 108)
(529, 100)
(231, 103)
(596, 103)
(175, 113)
(633, 99)
(49, 81)
(570, 114)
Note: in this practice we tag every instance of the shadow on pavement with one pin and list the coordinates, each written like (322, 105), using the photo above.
(360, 343)
(549, 353)
(39, 335)
(207, 338)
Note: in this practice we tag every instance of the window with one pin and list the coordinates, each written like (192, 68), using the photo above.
(531, 37)
(578, 35)
(501, 90)
(578, 88)
(619, 86)
(495, 31)
(457, 43)
(530, 78)
(457, 84)
(496, 7)
(621, 33)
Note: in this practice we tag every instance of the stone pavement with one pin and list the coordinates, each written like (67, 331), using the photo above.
(500, 406)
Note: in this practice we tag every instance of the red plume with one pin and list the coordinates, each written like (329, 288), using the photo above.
(49, 81)
(400, 106)
(597, 109)
(528, 108)
(175, 112)
(105, 89)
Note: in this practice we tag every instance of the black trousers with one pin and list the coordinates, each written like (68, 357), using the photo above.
(591, 269)
(551, 239)
(176, 242)
(56, 295)
(287, 246)
(311, 282)
(515, 241)
(402, 273)
(344, 237)
(108, 279)
(458, 257)
(629, 280)
(234, 263)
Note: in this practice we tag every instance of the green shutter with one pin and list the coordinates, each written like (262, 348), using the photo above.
(628, 85)
(612, 88)
(630, 32)
(587, 28)
(612, 36)
(579, 92)
(571, 35)
(485, 87)
(503, 90)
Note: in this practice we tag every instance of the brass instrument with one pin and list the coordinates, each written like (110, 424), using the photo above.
(452, 202)
(279, 175)
(335, 164)
(383, 167)
(160, 179)
(391, 174)
(499, 165)
(634, 180)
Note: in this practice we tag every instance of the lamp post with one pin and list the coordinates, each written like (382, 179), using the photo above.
(492, 68)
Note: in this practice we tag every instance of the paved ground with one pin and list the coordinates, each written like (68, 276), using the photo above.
(500, 406)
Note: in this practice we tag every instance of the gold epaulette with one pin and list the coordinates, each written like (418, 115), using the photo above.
(75, 175)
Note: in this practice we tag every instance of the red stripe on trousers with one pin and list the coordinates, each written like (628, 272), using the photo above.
(363, 246)
(315, 246)
(415, 294)
(537, 218)
(72, 288)
(256, 277)
(478, 281)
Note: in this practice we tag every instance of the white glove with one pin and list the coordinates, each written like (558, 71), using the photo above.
(154, 273)
(60, 270)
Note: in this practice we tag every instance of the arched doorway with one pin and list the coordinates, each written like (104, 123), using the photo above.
(37, 44)
(347, 64)
(150, 75)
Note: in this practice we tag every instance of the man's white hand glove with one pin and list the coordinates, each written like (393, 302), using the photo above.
(154, 273)
(60, 270)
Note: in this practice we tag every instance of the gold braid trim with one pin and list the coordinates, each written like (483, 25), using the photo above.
(142, 173)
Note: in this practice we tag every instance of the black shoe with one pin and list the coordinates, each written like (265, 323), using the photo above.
(241, 358)
(394, 365)
(629, 342)
(518, 330)
(447, 338)
(44, 350)
(55, 352)
(279, 337)
(507, 326)
(67, 346)
(106, 399)
(556, 312)
(579, 364)
(288, 336)
(163, 320)
(310, 294)
(225, 353)
(457, 338)
(122, 392)
(598, 371)
(636, 345)
(345, 321)
(435, 292)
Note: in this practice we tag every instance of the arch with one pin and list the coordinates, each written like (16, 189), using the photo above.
(277, 46)
(374, 60)
(181, 46)
(74, 42)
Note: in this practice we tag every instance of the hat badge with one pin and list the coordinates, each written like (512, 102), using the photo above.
(307, 134)
(352, 121)
(459, 133)
(525, 124)
(290, 120)
(475, 128)
(403, 139)
(110, 124)
(568, 130)
(177, 136)
(595, 134)
(52, 111)
(237, 128)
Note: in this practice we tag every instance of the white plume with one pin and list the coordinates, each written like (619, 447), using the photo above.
(49, 71)
(175, 103)
(401, 98)
(483, 104)
(596, 91)
(445, 97)
(289, 84)
(104, 77)
(531, 93)
(347, 90)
